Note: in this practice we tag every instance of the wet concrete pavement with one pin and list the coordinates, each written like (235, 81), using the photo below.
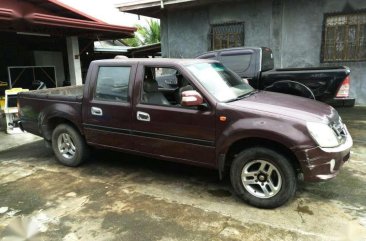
(122, 197)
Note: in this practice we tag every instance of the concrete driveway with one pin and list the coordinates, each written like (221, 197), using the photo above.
(122, 197)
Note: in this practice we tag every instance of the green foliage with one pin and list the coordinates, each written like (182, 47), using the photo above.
(145, 35)
(132, 42)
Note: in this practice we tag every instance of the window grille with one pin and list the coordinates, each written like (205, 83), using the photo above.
(227, 35)
(344, 37)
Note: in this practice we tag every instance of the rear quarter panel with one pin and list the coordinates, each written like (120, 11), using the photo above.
(35, 113)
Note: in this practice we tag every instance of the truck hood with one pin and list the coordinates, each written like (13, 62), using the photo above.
(287, 105)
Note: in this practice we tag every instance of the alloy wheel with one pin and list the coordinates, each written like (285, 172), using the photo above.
(66, 145)
(261, 178)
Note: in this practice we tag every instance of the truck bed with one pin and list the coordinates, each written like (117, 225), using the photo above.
(323, 82)
(69, 93)
(312, 68)
(39, 107)
(256, 65)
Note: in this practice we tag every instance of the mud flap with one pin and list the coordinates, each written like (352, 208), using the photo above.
(221, 165)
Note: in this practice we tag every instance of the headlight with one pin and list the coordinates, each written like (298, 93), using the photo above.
(322, 134)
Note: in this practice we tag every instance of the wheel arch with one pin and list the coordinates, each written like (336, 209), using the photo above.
(58, 113)
(291, 87)
(245, 143)
(51, 123)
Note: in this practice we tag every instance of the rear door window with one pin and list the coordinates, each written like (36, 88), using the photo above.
(112, 83)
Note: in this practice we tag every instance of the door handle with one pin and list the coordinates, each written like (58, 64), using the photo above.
(142, 116)
(96, 111)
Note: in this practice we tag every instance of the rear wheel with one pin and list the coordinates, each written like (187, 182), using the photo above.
(69, 146)
(263, 177)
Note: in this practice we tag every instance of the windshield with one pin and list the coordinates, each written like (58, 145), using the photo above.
(222, 83)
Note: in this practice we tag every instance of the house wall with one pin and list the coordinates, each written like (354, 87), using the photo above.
(293, 29)
(188, 29)
(302, 26)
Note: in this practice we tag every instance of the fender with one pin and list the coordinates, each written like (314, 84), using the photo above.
(59, 110)
(289, 134)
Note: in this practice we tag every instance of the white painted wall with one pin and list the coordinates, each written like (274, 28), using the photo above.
(73, 57)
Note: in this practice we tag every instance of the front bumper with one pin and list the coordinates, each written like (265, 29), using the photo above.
(320, 164)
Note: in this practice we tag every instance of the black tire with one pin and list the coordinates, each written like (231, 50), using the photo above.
(282, 177)
(77, 146)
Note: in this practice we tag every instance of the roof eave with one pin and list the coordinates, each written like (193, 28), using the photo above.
(151, 8)
(82, 25)
(81, 13)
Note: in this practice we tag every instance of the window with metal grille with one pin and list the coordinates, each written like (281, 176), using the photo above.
(344, 37)
(227, 35)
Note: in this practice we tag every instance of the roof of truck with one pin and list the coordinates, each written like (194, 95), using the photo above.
(154, 61)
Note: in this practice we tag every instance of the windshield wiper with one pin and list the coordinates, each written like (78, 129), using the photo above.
(240, 97)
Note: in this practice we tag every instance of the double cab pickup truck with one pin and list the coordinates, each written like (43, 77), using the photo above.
(256, 66)
(265, 141)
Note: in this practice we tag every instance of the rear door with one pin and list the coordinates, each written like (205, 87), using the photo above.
(108, 111)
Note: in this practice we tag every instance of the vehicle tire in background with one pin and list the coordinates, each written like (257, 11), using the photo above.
(69, 146)
(263, 177)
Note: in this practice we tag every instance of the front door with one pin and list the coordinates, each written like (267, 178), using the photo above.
(108, 113)
(163, 127)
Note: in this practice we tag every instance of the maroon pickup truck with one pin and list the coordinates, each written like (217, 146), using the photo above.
(210, 118)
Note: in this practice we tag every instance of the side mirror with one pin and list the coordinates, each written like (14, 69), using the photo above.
(191, 98)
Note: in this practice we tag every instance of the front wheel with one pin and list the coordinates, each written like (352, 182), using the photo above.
(263, 177)
(69, 146)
